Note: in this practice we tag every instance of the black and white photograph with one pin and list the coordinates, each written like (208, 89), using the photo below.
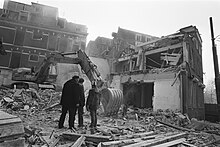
(109, 73)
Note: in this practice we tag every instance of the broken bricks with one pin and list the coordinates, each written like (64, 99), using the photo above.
(43, 112)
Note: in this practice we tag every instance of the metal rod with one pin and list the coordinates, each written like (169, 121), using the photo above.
(215, 58)
(216, 67)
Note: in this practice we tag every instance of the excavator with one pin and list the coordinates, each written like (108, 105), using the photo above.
(111, 98)
(45, 78)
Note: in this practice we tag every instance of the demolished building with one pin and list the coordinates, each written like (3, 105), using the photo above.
(164, 73)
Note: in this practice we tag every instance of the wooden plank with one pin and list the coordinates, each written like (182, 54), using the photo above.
(79, 142)
(175, 127)
(91, 138)
(5, 115)
(55, 142)
(188, 145)
(171, 143)
(136, 135)
(13, 143)
(125, 141)
(11, 131)
(10, 121)
(157, 141)
(162, 49)
(52, 106)
(159, 39)
(185, 53)
(170, 58)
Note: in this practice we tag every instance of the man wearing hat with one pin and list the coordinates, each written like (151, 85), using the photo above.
(70, 100)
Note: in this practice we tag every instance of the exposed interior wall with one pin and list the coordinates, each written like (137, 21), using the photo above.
(156, 92)
(165, 95)
(139, 94)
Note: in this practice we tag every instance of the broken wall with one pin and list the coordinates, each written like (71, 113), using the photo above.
(166, 91)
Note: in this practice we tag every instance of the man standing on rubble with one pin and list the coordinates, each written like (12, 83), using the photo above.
(81, 103)
(70, 101)
(92, 104)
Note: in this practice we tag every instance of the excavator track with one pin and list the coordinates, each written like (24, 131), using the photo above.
(111, 100)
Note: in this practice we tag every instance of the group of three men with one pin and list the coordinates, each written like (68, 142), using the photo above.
(73, 99)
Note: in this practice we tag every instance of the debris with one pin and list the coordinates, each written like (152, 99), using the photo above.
(55, 142)
(125, 141)
(12, 130)
(52, 106)
(8, 100)
(157, 141)
(79, 141)
(171, 143)
(26, 107)
(39, 111)
(91, 138)
(176, 127)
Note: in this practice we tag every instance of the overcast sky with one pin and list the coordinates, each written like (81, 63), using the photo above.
(153, 17)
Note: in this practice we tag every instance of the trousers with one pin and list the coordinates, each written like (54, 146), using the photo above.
(72, 114)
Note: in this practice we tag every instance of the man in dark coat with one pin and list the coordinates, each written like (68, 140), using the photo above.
(81, 103)
(70, 101)
(92, 104)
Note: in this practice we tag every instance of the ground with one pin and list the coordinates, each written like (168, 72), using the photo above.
(40, 112)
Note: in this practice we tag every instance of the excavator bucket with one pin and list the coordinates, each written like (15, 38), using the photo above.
(111, 100)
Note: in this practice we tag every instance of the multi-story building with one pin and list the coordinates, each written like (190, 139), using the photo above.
(30, 32)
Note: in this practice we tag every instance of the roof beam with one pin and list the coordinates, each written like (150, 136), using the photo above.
(178, 45)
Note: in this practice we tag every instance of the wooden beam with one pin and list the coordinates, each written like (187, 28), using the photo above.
(125, 141)
(171, 143)
(185, 53)
(20, 142)
(79, 141)
(175, 127)
(91, 138)
(162, 49)
(157, 141)
(178, 45)
(55, 142)
(136, 135)
(189, 145)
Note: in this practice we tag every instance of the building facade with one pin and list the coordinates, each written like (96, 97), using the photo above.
(30, 32)
(164, 73)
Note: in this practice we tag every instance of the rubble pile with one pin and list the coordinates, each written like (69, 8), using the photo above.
(24, 99)
(40, 111)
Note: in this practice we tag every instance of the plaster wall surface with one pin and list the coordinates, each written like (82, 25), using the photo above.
(165, 95)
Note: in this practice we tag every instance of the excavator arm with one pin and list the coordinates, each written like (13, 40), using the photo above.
(111, 98)
(90, 69)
